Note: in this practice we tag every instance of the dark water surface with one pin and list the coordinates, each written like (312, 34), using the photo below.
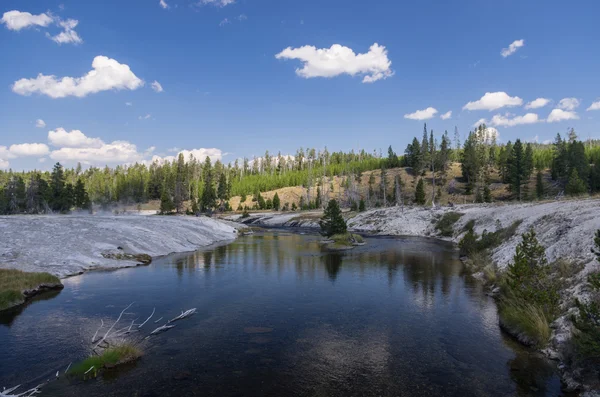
(277, 316)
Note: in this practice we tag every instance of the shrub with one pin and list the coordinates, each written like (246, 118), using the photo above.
(446, 223)
(525, 320)
(362, 206)
(420, 192)
(468, 244)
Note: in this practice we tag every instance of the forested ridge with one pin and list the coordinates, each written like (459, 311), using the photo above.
(573, 167)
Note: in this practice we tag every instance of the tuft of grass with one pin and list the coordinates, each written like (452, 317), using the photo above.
(489, 272)
(112, 357)
(446, 223)
(527, 321)
(14, 282)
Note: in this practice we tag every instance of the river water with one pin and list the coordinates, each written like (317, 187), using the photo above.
(278, 316)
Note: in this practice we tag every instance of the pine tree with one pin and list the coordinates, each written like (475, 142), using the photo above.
(487, 194)
(527, 275)
(58, 199)
(361, 205)
(420, 192)
(518, 169)
(222, 189)
(332, 221)
(575, 186)
(166, 203)
(209, 197)
(276, 202)
(81, 197)
(318, 198)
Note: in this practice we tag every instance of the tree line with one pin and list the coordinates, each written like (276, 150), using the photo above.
(207, 185)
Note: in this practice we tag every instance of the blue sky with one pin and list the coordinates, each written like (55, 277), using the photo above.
(224, 88)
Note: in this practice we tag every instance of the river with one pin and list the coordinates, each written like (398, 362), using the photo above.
(278, 316)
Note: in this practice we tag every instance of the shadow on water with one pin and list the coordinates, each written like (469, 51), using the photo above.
(8, 316)
(278, 316)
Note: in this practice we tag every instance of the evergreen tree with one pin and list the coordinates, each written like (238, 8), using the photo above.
(276, 202)
(527, 275)
(318, 198)
(209, 196)
(59, 202)
(222, 189)
(518, 169)
(575, 186)
(560, 161)
(332, 221)
(361, 205)
(487, 194)
(425, 151)
(420, 192)
(166, 203)
(392, 161)
(81, 197)
(413, 156)
(262, 204)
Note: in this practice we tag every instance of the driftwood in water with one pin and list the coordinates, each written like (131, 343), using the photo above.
(148, 319)
(115, 323)
(183, 315)
(161, 329)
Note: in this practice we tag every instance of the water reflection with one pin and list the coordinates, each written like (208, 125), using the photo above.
(277, 316)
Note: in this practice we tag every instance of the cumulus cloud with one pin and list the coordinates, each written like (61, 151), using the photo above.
(424, 114)
(107, 74)
(75, 138)
(479, 122)
(5, 153)
(163, 4)
(115, 152)
(338, 60)
(224, 22)
(146, 117)
(505, 121)
(446, 115)
(29, 149)
(537, 103)
(494, 100)
(39, 123)
(128, 104)
(512, 48)
(68, 35)
(17, 20)
(4, 164)
(156, 86)
(560, 115)
(594, 106)
(568, 104)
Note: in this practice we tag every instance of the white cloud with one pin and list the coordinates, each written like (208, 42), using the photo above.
(241, 17)
(17, 20)
(163, 4)
(512, 48)
(491, 134)
(146, 117)
(424, 114)
(338, 60)
(75, 139)
(107, 74)
(224, 22)
(29, 149)
(560, 115)
(39, 123)
(537, 103)
(594, 106)
(128, 104)
(156, 86)
(504, 121)
(494, 100)
(446, 115)
(479, 122)
(4, 164)
(5, 153)
(217, 3)
(568, 104)
(199, 154)
(43, 160)
(115, 152)
(68, 35)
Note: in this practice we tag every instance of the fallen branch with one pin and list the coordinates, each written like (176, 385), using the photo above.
(28, 393)
(157, 321)
(161, 329)
(183, 315)
(142, 324)
(115, 323)
(96, 334)
(86, 372)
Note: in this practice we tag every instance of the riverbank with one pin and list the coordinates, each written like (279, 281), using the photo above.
(66, 245)
(564, 228)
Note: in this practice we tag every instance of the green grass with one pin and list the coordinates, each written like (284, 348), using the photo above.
(14, 282)
(527, 320)
(446, 223)
(111, 357)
